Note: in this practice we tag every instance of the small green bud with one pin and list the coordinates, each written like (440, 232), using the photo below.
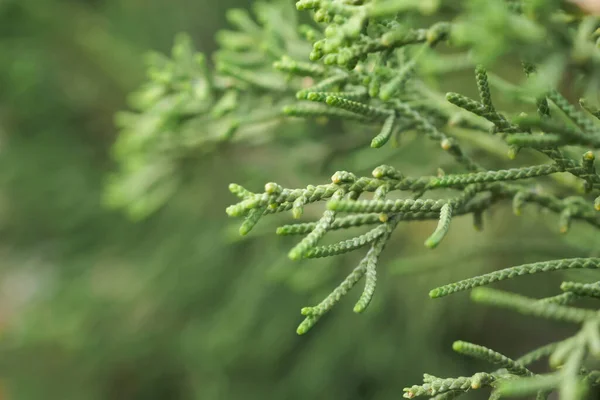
(518, 202)
(239, 191)
(565, 220)
(322, 16)
(446, 144)
(332, 31)
(330, 59)
(513, 151)
(306, 311)
(386, 171)
(343, 177)
(273, 188)
(302, 95)
(438, 31)
(458, 346)
(297, 212)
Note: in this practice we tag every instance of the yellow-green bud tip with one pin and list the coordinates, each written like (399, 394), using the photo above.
(272, 188)
(375, 144)
(377, 173)
(301, 330)
(296, 213)
(385, 95)
(383, 217)
(431, 36)
(446, 144)
(336, 178)
(589, 156)
(306, 311)
(234, 211)
(312, 96)
(358, 308)
(432, 244)
(306, 325)
(294, 255)
(434, 293)
(458, 345)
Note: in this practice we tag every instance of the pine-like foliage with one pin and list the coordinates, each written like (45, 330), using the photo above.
(371, 64)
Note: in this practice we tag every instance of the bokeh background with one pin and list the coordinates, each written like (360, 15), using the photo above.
(177, 306)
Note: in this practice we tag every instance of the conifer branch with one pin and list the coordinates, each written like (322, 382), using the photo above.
(532, 307)
(526, 269)
(371, 62)
(582, 289)
(491, 356)
(443, 385)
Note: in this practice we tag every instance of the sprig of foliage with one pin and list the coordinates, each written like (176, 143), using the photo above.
(362, 61)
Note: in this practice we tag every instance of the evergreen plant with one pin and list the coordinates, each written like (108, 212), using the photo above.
(377, 67)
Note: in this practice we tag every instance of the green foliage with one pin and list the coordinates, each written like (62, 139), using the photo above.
(187, 108)
(368, 65)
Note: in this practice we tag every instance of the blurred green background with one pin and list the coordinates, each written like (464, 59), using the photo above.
(94, 306)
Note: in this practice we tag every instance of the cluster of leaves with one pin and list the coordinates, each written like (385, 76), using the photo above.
(240, 99)
(369, 65)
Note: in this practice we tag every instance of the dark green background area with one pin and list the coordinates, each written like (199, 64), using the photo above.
(93, 306)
